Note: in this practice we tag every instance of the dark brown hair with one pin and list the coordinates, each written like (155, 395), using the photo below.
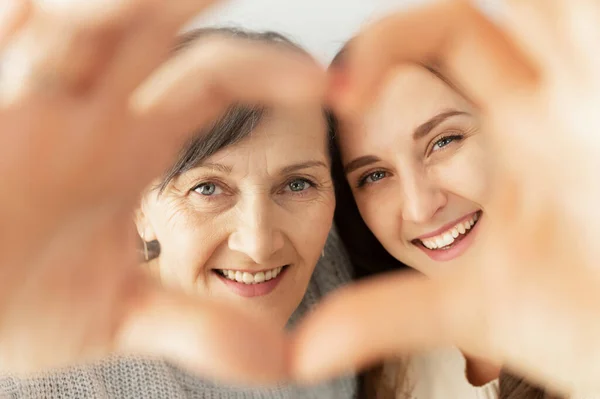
(367, 255)
(369, 258)
(236, 124)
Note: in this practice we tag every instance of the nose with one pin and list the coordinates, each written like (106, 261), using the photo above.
(256, 234)
(421, 198)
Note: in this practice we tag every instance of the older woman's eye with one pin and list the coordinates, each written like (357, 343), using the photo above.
(299, 185)
(372, 177)
(445, 141)
(208, 189)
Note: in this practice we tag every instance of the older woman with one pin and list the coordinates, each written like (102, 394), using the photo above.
(243, 217)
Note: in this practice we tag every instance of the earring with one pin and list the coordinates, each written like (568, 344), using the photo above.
(323, 253)
(146, 257)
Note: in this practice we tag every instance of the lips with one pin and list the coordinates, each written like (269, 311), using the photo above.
(250, 278)
(453, 235)
(451, 241)
(252, 284)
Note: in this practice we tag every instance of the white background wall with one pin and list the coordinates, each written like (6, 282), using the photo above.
(321, 26)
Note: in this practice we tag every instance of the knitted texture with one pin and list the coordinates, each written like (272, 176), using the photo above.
(129, 377)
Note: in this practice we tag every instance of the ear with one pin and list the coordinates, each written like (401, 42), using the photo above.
(143, 224)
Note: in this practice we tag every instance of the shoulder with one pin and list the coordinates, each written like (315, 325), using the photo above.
(132, 377)
(115, 377)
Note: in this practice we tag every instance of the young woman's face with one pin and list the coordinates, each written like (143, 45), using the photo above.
(248, 224)
(417, 170)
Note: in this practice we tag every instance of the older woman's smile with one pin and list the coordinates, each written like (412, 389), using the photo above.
(249, 277)
(251, 284)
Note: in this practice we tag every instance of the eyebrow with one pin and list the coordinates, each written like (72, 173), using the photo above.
(303, 165)
(359, 163)
(421, 131)
(425, 128)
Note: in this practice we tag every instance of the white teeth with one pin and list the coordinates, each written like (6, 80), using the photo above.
(447, 238)
(259, 278)
(430, 244)
(249, 278)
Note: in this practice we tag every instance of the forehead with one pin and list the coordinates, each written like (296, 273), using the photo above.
(412, 95)
(283, 136)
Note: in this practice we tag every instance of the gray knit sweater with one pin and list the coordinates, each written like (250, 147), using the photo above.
(143, 378)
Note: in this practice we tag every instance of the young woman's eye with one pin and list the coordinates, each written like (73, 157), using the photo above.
(208, 189)
(299, 185)
(372, 177)
(444, 141)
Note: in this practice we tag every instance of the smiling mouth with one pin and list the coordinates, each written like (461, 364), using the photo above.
(250, 278)
(449, 238)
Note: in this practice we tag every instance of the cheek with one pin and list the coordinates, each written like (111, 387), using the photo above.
(188, 239)
(308, 225)
(381, 209)
(382, 212)
(465, 174)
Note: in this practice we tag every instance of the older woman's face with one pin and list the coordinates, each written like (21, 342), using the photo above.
(248, 225)
(417, 169)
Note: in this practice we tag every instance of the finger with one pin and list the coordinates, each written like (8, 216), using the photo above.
(556, 33)
(202, 81)
(50, 58)
(231, 69)
(13, 14)
(368, 322)
(207, 338)
(63, 52)
(454, 36)
(150, 41)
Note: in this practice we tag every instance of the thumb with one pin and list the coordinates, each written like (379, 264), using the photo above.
(369, 321)
(207, 338)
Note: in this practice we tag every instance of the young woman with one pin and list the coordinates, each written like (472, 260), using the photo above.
(412, 189)
(243, 217)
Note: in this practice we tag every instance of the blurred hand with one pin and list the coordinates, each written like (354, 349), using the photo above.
(90, 113)
(530, 298)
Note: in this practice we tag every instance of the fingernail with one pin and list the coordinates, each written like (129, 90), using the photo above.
(349, 102)
(335, 86)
